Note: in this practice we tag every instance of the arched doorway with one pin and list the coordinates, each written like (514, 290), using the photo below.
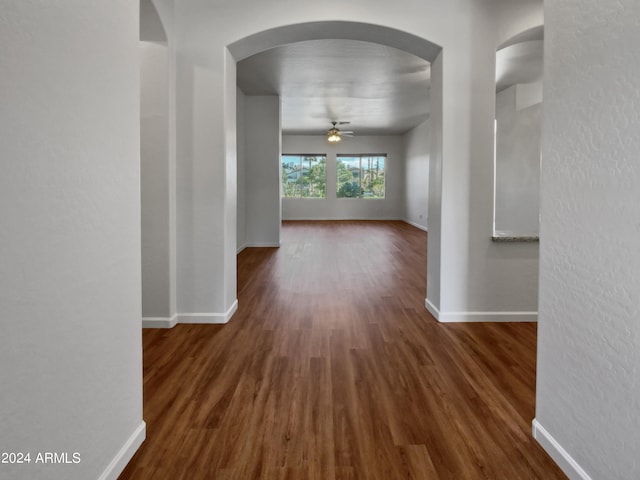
(344, 30)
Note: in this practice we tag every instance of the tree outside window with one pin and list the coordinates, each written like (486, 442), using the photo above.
(304, 176)
(360, 176)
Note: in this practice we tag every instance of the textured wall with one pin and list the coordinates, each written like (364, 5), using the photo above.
(588, 395)
(70, 349)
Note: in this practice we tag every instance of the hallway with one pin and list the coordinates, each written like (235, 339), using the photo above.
(333, 368)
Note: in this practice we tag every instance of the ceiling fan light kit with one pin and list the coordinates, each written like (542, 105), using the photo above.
(334, 135)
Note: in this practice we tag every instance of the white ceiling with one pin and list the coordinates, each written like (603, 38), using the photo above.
(380, 90)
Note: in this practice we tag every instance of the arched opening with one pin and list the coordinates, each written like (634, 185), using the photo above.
(270, 208)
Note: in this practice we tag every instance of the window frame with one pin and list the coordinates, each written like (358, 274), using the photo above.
(299, 186)
(360, 156)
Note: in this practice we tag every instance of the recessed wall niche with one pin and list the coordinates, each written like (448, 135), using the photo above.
(518, 129)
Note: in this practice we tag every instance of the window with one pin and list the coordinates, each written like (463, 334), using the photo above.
(304, 176)
(360, 176)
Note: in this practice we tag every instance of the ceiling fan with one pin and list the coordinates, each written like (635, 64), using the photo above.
(334, 134)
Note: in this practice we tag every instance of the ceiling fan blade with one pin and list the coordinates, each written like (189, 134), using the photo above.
(348, 132)
(344, 123)
(343, 134)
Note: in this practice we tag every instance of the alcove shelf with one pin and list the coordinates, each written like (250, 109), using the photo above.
(508, 237)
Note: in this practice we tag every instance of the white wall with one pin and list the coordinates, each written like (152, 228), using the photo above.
(434, 204)
(470, 278)
(158, 164)
(333, 208)
(517, 187)
(241, 240)
(151, 26)
(155, 182)
(262, 171)
(162, 11)
(416, 181)
(479, 280)
(588, 383)
(206, 198)
(70, 289)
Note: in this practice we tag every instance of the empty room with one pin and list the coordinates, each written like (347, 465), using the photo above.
(276, 239)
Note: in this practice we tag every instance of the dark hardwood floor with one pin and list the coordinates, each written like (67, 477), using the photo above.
(333, 369)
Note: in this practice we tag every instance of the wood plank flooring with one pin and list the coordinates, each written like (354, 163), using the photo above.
(333, 369)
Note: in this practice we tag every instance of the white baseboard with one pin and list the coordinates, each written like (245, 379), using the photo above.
(232, 310)
(341, 219)
(453, 317)
(240, 249)
(262, 245)
(456, 317)
(159, 322)
(417, 225)
(559, 455)
(214, 318)
(115, 468)
(433, 310)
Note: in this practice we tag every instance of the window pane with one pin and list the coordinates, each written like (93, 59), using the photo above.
(348, 185)
(290, 176)
(373, 177)
(314, 176)
(360, 176)
(304, 176)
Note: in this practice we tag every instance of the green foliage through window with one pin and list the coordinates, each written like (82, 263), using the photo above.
(304, 176)
(360, 176)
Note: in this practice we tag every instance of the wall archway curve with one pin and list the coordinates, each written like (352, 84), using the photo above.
(529, 34)
(346, 30)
